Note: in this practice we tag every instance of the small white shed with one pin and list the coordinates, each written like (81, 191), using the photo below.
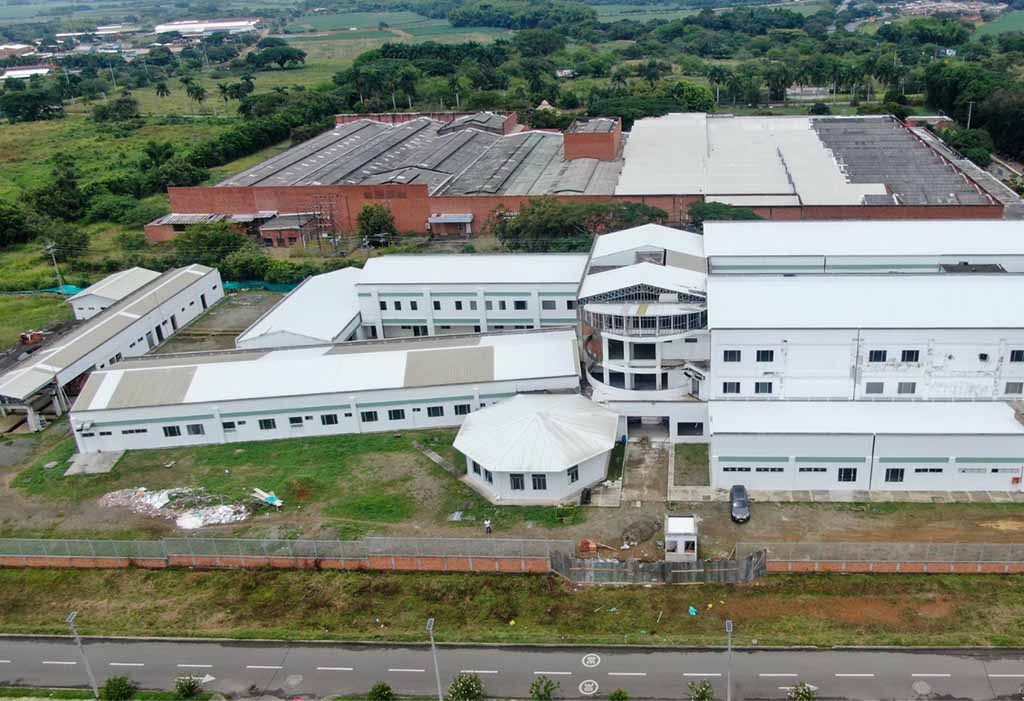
(681, 538)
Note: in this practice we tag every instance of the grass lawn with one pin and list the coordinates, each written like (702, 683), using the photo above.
(1007, 22)
(776, 610)
(691, 465)
(23, 312)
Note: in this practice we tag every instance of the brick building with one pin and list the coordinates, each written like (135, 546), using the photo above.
(454, 172)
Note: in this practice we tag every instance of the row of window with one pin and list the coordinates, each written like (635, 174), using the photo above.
(735, 356)
(874, 356)
(517, 480)
(905, 388)
(759, 388)
(892, 474)
(845, 474)
(460, 305)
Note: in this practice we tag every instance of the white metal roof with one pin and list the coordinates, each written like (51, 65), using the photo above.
(680, 525)
(654, 235)
(864, 238)
(479, 269)
(349, 367)
(318, 309)
(118, 285)
(754, 157)
(931, 418)
(663, 276)
(537, 433)
(32, 374)
(937, 301)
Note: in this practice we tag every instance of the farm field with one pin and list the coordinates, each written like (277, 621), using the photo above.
(20, 313)
(1012, 21)
(669, 11)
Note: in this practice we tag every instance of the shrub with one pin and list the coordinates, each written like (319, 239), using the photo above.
(381, 691)
(466, 687)
(701, 691)
(819, 108)
(187, 687)
(118, 689)
(374, 219)
(130, 241)
(543, 688)
(618, 695)
(802, 692)
(249, 263)
(109, 207)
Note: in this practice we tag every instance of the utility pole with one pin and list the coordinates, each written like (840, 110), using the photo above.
(70, 620)
(51, 248)
(433, 651)
(970, 113)
(728, 669)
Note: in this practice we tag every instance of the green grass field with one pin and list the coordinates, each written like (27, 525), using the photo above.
(669, 11)
(1007, 22)
(824, 610)
(20, 313)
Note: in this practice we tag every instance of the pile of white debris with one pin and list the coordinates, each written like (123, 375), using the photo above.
(188, 508)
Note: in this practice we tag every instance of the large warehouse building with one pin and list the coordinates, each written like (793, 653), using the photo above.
(450, 176)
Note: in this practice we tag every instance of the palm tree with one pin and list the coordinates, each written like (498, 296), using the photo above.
(161, 89)
(717, 76)
(225, 92)
(196, 93)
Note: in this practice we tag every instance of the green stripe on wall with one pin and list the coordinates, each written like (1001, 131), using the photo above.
(432, 400)
(831, 459)
(884, 266)
(912, 460)
(751, 458)
(168, 420)
(991, 460)
(765, 267)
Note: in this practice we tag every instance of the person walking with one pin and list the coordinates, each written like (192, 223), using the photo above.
(487, 526)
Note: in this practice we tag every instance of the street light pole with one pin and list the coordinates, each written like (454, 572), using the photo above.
(70, 620)
(728, 669)
(433, 652)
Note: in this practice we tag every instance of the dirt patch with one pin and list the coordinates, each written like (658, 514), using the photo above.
(1004, 524)
(217, 328)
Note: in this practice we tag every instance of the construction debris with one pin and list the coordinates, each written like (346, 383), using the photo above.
(188, 508)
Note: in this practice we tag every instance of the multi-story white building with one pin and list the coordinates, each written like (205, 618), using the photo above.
(946, 336)
(434, 295)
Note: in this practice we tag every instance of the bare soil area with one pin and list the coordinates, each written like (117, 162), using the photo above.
(217, 328)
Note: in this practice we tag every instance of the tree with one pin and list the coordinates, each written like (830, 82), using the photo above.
(120, 109)
(466, 687)
(543, 688)
(246, 263)
(209, 243)
(381, 691)
(17, 225)
(802, 692)
(161, 89)
(63, 241)
(701, 212)
(701, 691)
(196, 93)
(61, 198)
(548, 224)
(118, 689)
(375, 219)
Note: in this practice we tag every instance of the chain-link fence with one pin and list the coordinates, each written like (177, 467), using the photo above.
(255, 547)
(888, 552)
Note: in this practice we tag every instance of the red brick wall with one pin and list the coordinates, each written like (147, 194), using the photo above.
(801, 566)
(602, 146)
(159, 232)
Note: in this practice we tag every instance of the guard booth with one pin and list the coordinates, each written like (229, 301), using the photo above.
(681, 538)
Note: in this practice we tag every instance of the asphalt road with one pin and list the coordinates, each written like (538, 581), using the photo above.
(295, 669)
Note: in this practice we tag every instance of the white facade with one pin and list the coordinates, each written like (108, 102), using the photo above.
(936, 446)
(98, 296)
(537, 449)
(433, 295)
(904, 246)
(323, 309)
(131, 327)
(245, 395)
(195, 27)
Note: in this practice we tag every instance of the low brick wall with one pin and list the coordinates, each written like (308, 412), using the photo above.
(878, 567)
(394, 563)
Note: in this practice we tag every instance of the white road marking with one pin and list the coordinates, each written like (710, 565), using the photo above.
(262, 666)
(58, 662)
(196, 666)
(855, 674)
(931, 675)
(627, 674)
(335, 669)
(5, 661)
(552, 674)
(1006, 676)
(780, 674)
(702, 674)
(478, 671)
(127, 664)
(401, 669)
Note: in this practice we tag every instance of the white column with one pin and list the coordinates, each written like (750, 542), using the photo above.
(375, 297)
(476, 398)
(535, 301)
(604, 357)
(657, 365)
(221, 434)
(428, 300)
(481, 304)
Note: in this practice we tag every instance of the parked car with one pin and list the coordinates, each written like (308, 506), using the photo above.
(739, 504)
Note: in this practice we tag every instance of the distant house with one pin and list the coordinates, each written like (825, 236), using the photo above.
(25, 72)
(565, 73)
(9, 50)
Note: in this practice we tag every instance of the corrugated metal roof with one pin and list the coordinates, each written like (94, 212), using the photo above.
(118, 285)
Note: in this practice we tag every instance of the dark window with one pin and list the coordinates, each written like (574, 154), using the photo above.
(435, 411)
(476, 468)
(488, 305)
(172, 431)
(922, 470)
(520, 304)
(762, 388)
(847, 474)
(1017, 356)
(295, 421)
(766, 356)
(413, 305)
(548, 304)
(437, 306)
(730, 388)
(517, 482)
(735, 469)
(502, 305)
(1015, 388)
(488, 477)
(574, 474)
(983, 357)
(396, 414)
(383, 306)
(398, 306)
(461, 409)
(731, 356)
(876, 356)
(570, 304)
(910, 356)
(894, 474)
(195, 429)
(368, 416)
(906, 388)
(268, 424)
(328, 419)
(458, 305)
(874, 387)
(228, 425)
(812, 469)
(539, 482)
